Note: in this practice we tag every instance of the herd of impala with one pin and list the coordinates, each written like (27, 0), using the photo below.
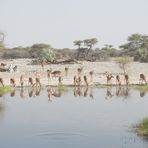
(78, 79)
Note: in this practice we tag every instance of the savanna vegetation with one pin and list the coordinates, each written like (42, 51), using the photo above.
(4, 90)
(141, 87)
(86, 50)
(142, 128)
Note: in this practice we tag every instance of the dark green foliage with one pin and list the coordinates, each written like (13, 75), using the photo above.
(142, 128)
(137, 46)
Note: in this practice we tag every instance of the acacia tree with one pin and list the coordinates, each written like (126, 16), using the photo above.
(123, 63)
(133, 42)
(89, 43)
(42, 52)
(109, 49)
(137, 44)
(78, 43)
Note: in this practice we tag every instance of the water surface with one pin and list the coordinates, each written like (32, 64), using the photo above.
(79, 118)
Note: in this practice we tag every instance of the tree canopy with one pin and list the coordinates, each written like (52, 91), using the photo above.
(2, 38)
(138, 44)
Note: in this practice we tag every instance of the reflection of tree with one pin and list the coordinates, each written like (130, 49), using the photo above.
(1, 94)
(57, 93)
(2, 110)
(142, 93)
(12, 94)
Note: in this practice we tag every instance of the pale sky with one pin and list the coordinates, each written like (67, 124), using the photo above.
(60, 22)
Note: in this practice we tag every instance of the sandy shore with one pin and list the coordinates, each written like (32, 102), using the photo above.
(134, 70)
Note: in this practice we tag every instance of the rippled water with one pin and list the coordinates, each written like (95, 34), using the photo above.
(79, 118)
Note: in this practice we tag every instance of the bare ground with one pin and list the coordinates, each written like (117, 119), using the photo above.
(99, 68)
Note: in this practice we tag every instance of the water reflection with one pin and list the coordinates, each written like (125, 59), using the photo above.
(31, 92)
(38, 91)
(122, 91)
(78, 91)
(91, 94)
(104, 120)
(83, 92)
(109, 93)
(12, 94)
(2, 109)
(1, 94)
(142, 93)
(54, 92)
(86, 92)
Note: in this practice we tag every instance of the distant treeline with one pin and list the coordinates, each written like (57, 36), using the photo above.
(136, 47)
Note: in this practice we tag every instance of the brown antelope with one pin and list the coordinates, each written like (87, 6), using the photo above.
(49, 74)
(12, 82)
(2, 82)
(15, 68)
(91, 75)
(22, 80)
(126, 79)
(3, 65)
(30, 81)
(66, 71)
(56, 73)
(37, 75)
(109, 78)
(79, 70)
(142, 78)
(37, 82)
(118, 82)
(77, 80)
(60, 80)
(85, 81)
(42, 65)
